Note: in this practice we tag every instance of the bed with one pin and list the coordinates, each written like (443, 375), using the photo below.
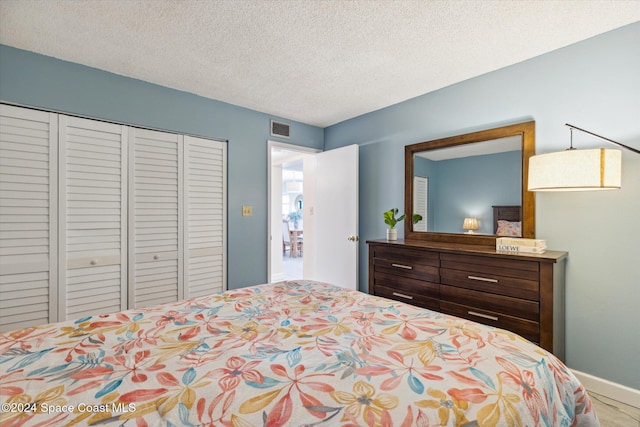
(290, 353)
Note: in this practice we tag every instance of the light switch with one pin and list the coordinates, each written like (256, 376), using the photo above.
(247, 211)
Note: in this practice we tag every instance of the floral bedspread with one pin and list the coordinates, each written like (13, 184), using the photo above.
(290, 353)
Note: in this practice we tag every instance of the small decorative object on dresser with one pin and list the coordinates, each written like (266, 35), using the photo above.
(517, 244)
(520, 292)
(391, 220)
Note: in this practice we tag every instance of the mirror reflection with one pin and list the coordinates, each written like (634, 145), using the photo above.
(456, 188)
(466, 185)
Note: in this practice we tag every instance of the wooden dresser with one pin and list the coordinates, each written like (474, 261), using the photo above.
(523, 293)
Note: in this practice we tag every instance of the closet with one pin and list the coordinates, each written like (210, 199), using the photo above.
(99, 217)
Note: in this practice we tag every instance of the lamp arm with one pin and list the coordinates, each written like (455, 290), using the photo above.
(602, 137)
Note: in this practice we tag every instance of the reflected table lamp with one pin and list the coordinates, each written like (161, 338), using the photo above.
(470, 224)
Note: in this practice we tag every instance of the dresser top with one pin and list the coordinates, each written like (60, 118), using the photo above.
(548, 256)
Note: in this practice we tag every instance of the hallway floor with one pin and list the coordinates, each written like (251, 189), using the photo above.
(292, 267)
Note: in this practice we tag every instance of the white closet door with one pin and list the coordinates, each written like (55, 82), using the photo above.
(28, 216)
(205, 216)
(93, 217)
(155, 222)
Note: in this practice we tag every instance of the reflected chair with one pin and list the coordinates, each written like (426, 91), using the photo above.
(298, 242)
(286, 238)
(291, 240)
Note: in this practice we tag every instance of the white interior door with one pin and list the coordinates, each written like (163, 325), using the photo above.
(28, 217)
(93, 217)
(336, 217)
(155, 219)
(205, 205)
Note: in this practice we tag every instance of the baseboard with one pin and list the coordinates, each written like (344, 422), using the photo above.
(621, 393)
(278, 277)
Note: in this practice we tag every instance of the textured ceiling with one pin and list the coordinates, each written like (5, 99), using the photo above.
(317, 62)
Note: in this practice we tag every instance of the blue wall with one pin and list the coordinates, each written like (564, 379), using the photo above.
(594, 84)
(34, 80)
(469, 187)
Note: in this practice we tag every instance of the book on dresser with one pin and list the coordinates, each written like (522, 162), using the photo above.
(519, 292)
(514, 244)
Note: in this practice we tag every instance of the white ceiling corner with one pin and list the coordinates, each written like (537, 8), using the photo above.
(317, 62)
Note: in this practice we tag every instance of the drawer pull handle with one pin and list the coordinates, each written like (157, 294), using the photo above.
(93, 262)
(486, 316)
(398, 294)
(156, 257)
(483, 279)
(406, 267)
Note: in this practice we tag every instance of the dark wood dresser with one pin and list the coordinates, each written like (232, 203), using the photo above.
(523, 293)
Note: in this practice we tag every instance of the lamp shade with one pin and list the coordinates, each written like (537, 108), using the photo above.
(576, 170)
(470, 224)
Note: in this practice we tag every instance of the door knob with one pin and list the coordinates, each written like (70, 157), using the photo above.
(353, 238)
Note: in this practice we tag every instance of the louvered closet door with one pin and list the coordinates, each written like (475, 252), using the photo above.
(28, 215)
(205, 214)
(155, 225)
(93, 217)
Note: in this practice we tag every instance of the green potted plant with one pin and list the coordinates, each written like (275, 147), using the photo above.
(391, 220)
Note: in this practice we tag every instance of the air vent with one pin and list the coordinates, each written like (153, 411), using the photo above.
(280, 129)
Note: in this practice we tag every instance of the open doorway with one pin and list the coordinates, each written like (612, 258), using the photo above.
(291, 193)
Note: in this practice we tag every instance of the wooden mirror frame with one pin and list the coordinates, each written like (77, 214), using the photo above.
(526, 130)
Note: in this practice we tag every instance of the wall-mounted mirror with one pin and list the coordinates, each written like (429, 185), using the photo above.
(480, 177)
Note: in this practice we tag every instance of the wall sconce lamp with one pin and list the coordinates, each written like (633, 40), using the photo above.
(577, 170)
(470, 224)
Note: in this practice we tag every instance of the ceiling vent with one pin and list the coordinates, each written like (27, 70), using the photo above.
(280, 129)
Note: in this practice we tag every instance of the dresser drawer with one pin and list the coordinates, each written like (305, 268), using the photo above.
(519, 269)
(492, 283)
(515, 307)
(408, 263)
(412, 291)
(408, 297)
(525, 328)
(407, 255)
